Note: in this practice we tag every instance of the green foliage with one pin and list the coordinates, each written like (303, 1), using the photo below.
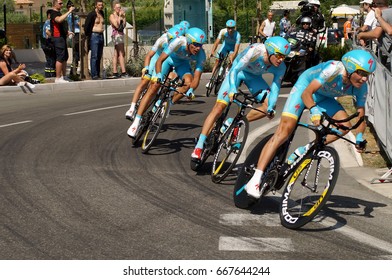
(333, 52)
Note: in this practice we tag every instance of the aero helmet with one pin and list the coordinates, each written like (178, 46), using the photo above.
(173, 33)
(230, 23)
(277, 44)
(182, 29)
(195, 35)
(359, 60)
(185, 24)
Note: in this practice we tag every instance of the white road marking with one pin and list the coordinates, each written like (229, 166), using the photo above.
(359, 236)
(227, 243)
(236, 219)
(95, 110)
(11, 124)
(114, 93)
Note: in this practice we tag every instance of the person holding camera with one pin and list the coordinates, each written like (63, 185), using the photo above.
(311, 9)
(48, 48)
(118, 22)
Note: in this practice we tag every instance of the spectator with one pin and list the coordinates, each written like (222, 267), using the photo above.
(48, 48)
(284, 24)
(369, 24)
(312, 9)
(347, 28)
(118, 23)
(384, 38)
(267, 28)
(93, 30)
(59, 32)
(384, 19)
(9, 76)
(73, 21)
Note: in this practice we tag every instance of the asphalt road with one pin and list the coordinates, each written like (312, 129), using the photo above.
(73, 187)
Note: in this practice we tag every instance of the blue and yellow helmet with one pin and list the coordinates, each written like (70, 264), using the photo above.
(277, 44)
(195, 35)
(359, 60)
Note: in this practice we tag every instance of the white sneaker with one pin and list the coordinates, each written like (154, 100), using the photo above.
(132, 130)
(60, 80)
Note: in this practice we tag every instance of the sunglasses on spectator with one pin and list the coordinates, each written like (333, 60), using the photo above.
(198, 45)
(363, 74)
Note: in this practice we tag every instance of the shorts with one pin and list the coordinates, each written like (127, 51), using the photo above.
(60, 46)
(118, 39)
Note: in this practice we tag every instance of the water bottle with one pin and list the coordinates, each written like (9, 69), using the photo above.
(156, 105)
(225, 125)
(220, 71)
(297, 153)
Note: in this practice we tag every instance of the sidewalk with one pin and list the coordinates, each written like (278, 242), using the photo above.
(350, 160)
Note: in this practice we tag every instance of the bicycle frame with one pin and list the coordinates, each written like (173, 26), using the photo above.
(321, 132)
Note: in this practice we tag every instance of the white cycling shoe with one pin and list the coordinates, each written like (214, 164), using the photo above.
(129, 114)
(132, 130)
(253, 186)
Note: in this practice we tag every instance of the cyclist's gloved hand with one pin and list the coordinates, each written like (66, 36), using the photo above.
(144, 71)
(231, 95)
(315, 114)
(190, 94)
(159, 77)
(360, 143)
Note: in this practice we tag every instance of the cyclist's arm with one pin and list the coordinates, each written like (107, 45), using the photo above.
(307, 95)
(235, 52)
(361, 128)
(148, 57)
(161, 59)
(215, 46)
(196, 79)
(275, 86)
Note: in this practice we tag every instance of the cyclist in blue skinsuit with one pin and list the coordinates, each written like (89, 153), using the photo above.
(231, 39)
(152, 56)
(248, 67)
(178, 55)
(316, 90)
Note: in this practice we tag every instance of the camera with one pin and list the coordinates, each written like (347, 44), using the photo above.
(70, 4)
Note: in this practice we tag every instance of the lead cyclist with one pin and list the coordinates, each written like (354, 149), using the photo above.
(316, 90)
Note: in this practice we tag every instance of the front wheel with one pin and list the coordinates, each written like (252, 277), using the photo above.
(309, 188)
(229, 149)
(156, 123)
(211, 83)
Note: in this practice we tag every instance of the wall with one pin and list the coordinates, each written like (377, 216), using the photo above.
(24, 36)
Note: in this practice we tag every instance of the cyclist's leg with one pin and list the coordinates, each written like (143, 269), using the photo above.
(147, 99)
(286, 127)
(221, 103)
(218, 53)
(255, 83)
(334, 109)
(184, 71)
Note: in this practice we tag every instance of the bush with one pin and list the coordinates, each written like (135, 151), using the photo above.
(333, 52)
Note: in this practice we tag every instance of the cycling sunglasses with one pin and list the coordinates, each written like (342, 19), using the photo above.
(198, 45)
(363, 73)
(280, 56)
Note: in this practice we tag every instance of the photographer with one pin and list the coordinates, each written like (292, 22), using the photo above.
(311, 9)
(74, 36)
(118, 22)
